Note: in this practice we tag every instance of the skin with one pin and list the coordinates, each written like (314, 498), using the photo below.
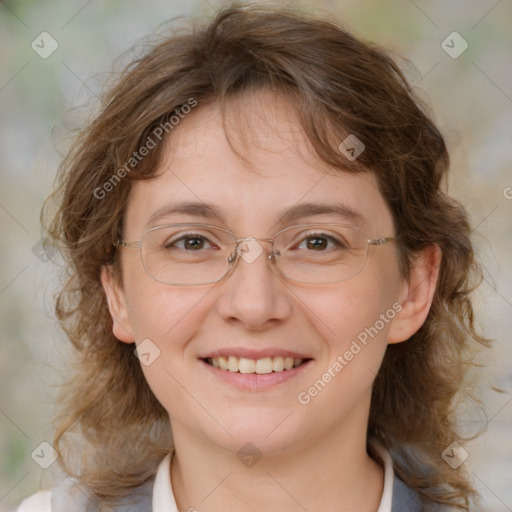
(313, 456)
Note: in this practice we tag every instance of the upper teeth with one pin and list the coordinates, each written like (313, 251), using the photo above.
(260, 366)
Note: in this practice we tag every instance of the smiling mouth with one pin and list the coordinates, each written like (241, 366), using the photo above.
(261, 366)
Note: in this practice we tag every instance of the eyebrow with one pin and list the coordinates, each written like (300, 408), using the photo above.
(311, 209)
(287, 215)
(190, 208)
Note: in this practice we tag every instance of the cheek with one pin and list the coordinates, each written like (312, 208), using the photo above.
(347, 320)
(164, 321)
(349, 311)
(157, 310)
(353, 318)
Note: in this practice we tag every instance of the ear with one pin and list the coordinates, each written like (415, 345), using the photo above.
(416, 295)
(116, 300)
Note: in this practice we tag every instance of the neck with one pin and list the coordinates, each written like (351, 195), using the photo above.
(335, 474)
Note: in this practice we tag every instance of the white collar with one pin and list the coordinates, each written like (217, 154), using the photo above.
(163, 496)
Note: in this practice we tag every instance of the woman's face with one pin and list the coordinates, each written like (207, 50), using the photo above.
(255, 312)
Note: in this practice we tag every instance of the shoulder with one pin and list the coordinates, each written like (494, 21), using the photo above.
(405, 498)
(39, 502)
(70, 495)
(65, 494)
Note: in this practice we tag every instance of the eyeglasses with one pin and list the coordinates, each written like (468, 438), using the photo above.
(194, 254)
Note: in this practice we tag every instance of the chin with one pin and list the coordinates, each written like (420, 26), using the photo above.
(267, 433)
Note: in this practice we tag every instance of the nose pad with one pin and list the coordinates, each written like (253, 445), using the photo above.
(272, 257)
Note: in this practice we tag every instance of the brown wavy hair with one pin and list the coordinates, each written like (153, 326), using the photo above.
(341, 85)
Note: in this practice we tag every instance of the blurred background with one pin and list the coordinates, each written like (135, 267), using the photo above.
(54, 56)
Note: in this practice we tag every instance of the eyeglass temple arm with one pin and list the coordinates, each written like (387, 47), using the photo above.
(129, 245)
(381, 241)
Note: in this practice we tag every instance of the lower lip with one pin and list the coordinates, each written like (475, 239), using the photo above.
(254, 381)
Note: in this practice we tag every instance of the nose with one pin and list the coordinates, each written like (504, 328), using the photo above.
(253, 293)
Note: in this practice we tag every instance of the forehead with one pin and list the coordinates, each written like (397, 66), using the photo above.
(251, 165)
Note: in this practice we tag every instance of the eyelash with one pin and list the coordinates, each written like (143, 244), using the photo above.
(184, 237)
(335, 241)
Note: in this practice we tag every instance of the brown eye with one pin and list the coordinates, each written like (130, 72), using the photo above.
(189, 243)
(321, 242)
(316, 243)
(194, 243)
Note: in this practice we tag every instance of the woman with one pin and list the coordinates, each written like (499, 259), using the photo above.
(259, 209)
